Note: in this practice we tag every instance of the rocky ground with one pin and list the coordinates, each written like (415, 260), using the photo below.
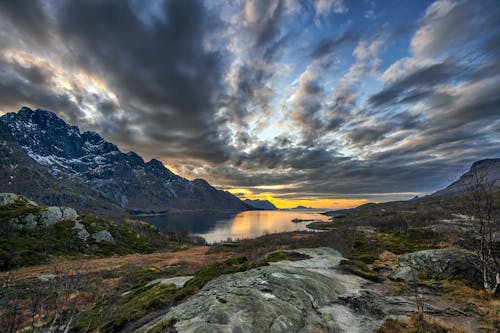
(386, 276)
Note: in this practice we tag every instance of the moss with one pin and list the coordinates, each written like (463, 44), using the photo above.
(359, 268)
(18, 208)
(113, 315)
(367, 247)
(229, 266)
(166, 326)
(288, 255)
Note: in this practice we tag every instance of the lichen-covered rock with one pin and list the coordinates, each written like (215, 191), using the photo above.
(51, 216)
(179, 281)
(283, 297)
(83, 234)
(30, 221)
(103, 236)
(69, 214)
(445, 263)
(7, 198)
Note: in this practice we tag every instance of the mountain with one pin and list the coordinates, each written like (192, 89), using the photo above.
(53, 162)
(488, 169)
(260, 204)
(301, 207)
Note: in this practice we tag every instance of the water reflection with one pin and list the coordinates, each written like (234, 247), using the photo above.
(249, 224)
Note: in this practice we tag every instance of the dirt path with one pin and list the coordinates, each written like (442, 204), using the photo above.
(194, 258)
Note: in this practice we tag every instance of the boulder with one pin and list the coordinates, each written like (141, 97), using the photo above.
(83, 234)
(103, 236)
(179, 281)
(51, 216)
(7, 198)
(69, 214)
(30, 221)
(444, 263)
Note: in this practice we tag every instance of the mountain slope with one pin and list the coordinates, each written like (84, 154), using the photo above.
(488, 169)
(60, 153)
(260, 204)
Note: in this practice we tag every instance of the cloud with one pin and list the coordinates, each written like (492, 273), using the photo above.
(325, 7)
(286, 95)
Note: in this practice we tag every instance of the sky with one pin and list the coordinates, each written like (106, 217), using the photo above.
(322, 103)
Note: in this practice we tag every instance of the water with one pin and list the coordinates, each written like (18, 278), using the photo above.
(249, 224)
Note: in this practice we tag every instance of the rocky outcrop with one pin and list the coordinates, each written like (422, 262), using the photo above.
(10, 198)
(7, 198)
(311, 295)
(443, 263)
(103, 236)
(29, 215)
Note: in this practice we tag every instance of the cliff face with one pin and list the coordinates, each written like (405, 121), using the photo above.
(54, 162)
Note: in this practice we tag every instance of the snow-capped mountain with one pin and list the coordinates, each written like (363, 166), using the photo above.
(125, 179)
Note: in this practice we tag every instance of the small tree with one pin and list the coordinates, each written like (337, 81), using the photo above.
(482, 223)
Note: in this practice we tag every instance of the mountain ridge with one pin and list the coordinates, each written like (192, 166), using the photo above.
(487, 169)
(260, 204)
(63, 154)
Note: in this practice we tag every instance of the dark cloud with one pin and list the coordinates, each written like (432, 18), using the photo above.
(328, 45)
(417, 84)
(29, 17)
(261, 94)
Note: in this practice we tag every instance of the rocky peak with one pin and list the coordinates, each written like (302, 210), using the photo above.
(123, 178)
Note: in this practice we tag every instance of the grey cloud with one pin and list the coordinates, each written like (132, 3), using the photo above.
(327, 45)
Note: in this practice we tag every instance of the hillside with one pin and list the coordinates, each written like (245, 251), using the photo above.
(32, 234)
(260, 204)
(488, 170)
(47, 159)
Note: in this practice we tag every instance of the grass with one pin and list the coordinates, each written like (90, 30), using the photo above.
(415, 324)
(114, 313)
(368, 247)
(25, 247)
(361, 269)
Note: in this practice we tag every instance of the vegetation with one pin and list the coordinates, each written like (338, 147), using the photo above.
(112, 313)
(482, 223)
(414, 324)
(30, 246)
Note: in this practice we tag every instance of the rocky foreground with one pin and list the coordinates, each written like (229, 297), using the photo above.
(310, 295)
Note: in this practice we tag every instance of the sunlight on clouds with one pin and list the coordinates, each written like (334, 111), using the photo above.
(244, 193)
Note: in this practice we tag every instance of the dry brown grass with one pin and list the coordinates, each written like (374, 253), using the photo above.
(485, 305)
(416, 324)
(192, 258)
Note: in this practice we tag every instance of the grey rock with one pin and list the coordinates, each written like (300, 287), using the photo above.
(103, 236)
(69, 214)
(46, 277)
(83, 234)
(7, 198)
(78, 226)
(283, 297)
(311, 295)
(51, 216)
(449, 263)
(30, 221)
(179, 281)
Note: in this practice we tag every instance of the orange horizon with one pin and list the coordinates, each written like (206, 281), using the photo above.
(338, 203)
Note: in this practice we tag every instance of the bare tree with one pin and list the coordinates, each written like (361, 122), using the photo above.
(481, 226)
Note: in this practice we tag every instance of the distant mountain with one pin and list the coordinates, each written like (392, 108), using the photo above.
(260, 204)
(45, 158)
(489, 169)
(301, 207)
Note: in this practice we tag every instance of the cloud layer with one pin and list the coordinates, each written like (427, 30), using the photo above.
(297, 99)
